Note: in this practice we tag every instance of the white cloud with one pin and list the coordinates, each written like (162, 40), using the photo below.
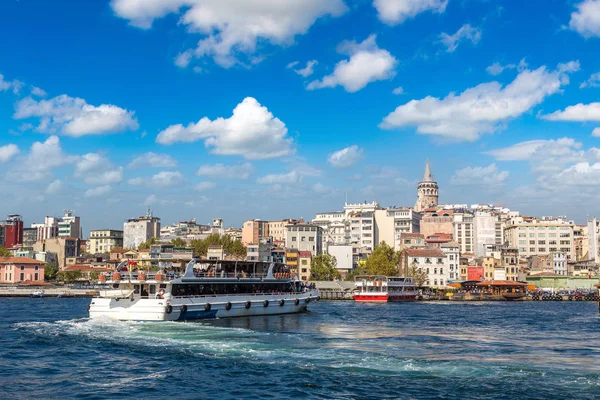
(150, 200)
(579, 112)
(581, 173)
(292, 64)
(489, 175)
(41, 160)
(346, 157)
(519, 151)
(480, 109)
(367, 63)
(203, 186)
(160, 180)
(596, 132)
(394, 12)
(497, 68)
(231, 28)
(306, 71)
(593, 81)
(220, 171)
(7, 152)
(289, 178)
(54, 187)
(252, 131)
(74, 117)
(15, 85)
(321, 189)
(151, 159)
(96, 169)
(398, 90)
(36, 91)
(586, 20)
(466, 32)
(97, 192)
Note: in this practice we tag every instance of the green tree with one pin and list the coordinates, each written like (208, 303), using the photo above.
(350, 275)
(230, 246)
(322, 268)
(418, 275)
(69, 276)
(4, 252)
(383, 261)
(50, 271)
(179, 242)
(94, 275)
(146, 245)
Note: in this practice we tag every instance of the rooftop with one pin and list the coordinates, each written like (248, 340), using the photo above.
(425, 253)
(407, 235)
(19, 260)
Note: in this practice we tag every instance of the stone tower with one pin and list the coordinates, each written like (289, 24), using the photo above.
(427, 191)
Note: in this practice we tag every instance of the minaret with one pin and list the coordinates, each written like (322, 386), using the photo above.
(427, 191)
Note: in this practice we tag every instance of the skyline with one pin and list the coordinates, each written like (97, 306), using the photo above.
(197, 110)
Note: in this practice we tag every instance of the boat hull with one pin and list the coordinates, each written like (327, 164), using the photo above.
(371, 299)
(403, 297)
(196, 308)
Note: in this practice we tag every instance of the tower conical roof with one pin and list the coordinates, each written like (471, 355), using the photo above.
(427, 176)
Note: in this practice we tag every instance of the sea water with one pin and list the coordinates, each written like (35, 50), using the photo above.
(339, 350)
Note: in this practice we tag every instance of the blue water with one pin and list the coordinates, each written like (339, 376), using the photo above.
(339, 350)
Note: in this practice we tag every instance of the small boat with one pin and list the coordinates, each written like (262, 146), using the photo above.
(37, 294)
(383, 289)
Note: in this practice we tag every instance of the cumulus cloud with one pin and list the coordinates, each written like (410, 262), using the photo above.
(596, 132)
(231, 28)
(398, 90)
(466, 32)
(15, 85)
(481, 109)
(581, 173)
(289, 178)
(162, 179)
(367, 63)
(497, 68)
(42, 158)
(96, 169)
(586, 20)
(75, 117)
(97, 191)
(306, 71)
(489, 175)
(346, 157)
(252, 132)
(220, 171)
(579, 112)
(7, 152)
(54, 187)
(593, 81)
(204, 186)
(394, 12)
(151, 159)
(36, 91)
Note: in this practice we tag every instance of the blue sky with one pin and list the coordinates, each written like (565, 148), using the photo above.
(270, 109)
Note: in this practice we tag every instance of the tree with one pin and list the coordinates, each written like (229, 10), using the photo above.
(146, 245)
(69, 276)
(94, 275)
(50, 271)
(322, 268)
(4, 252)
(230, 246)
(383, 261)
(418, 275)
(179, 242)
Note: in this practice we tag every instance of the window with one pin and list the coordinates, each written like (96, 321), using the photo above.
(435, 270)
(23, 267)
(36, 277)
(23, 277)
(428, 260)
(541, 242)
(36, 267)
(304, 262)
(311, 239)
(303, 238)
(532, 249)
(542, 250)
(293, 238)
(532, 242)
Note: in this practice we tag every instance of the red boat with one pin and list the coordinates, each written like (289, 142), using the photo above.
(382, 289)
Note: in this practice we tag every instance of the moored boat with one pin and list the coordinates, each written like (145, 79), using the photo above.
(37, 294)
(206, 289)
(382, 289)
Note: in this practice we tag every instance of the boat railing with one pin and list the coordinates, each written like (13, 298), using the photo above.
(239, 295)
(124, 275)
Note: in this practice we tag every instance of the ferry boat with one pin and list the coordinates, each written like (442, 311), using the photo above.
(383, 289)
(205, 289)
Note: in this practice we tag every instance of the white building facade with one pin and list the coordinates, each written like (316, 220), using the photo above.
(139, 230)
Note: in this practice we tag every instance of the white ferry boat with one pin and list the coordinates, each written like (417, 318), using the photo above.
(206, 289)
(383, 289)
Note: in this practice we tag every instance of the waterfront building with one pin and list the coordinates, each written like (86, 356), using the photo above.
(29, 237)
(585, 268)
(304, 259)
(433, 261)
(104, 240)
(462, 227)
(484, 232)
(509, 259)
(62, 247)
(304, 237)
(411, 240)
(291, 260)
(593, 232)
(560, 263)
(436, 240)
(490, 264)
(475, 273)
(534, 236)
(69, 225)
(215, 252)
(139, 230)
(427, 191)
(235, 234)
(11, 231)
(343, 257)
(260, 251)
(581, 240)
(391, 223)
(254, 230)
(21, 269)
(190, 230)
(277, 231)
(452, 251)
(86, 270)
(437, 221)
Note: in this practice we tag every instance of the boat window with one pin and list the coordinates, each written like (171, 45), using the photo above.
(115, 285)
(136, 289)
(152, 289)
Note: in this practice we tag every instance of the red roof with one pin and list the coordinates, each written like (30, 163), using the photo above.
(19, 260)
(501, 283)
(425, 253)
(411, 235)
(119, 251)
(79, 267)
(304, 254)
